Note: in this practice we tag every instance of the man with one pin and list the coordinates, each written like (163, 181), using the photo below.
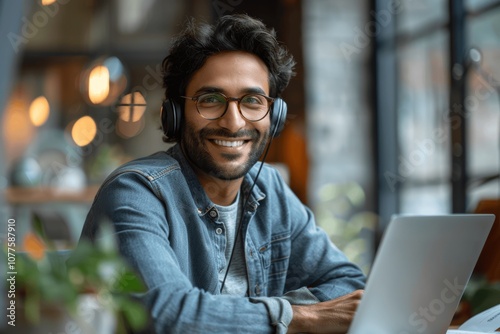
(222, 243)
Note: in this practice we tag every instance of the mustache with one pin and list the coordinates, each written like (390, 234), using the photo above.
(253, 134)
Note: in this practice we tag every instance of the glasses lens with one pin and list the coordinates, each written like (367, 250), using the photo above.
(254, 107)
(211, 105)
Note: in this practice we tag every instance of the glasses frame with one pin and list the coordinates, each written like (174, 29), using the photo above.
(228, 100)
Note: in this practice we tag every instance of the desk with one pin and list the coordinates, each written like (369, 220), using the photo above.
(44, 195)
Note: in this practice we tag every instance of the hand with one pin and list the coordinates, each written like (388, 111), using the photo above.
(333, 316)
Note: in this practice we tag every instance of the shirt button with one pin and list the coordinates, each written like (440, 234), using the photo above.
(218, 230)
(257, 290)
(213, 213)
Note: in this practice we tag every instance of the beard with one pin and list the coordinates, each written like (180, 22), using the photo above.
(194, 145)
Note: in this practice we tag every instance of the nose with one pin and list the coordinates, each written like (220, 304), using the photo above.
(232, 119)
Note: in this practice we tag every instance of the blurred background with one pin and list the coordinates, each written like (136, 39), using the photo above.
(394, 108)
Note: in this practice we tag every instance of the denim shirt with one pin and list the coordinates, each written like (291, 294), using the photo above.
(168, 230)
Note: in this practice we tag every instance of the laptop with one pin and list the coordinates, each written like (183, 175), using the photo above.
(420, 272)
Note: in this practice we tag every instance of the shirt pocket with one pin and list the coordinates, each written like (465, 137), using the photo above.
(275, 255)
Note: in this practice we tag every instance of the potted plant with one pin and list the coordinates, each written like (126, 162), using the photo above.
(89, 289)
(481, 294)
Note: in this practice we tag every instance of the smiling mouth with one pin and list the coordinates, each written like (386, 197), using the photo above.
(229, 143)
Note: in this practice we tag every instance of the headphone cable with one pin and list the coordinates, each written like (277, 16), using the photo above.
(240, 221)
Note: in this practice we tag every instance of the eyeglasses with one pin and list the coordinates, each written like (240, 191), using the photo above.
(211, 106)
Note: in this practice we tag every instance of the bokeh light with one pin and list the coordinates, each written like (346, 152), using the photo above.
(132, 107)
(98, 84)
(18, 130)
(39, 111)
(103, 81)
(84, 131)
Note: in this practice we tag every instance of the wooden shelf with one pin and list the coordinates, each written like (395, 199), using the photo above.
(40, 195)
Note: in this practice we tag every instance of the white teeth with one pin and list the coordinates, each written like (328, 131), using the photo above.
(229, 143)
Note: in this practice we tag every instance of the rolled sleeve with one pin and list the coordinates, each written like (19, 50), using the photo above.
(280, 312)
(302, 296)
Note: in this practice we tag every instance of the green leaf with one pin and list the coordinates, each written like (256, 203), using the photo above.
(134, 313)
(39, 230)
(129, 282)
(37, 226)
(484, 298)
(32, 307)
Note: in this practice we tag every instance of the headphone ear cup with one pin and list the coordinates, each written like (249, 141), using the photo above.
(278, 117)
(171, 119)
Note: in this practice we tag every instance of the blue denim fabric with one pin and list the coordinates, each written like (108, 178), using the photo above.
(168, 229)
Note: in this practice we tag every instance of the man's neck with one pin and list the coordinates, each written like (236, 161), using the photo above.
(221, 192)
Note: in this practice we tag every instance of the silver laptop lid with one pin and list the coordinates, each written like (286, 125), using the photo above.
(420, 272)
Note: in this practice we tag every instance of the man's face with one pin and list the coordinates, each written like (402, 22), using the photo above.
(229, 146)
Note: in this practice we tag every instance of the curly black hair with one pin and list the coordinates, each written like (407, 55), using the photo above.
(240, 32)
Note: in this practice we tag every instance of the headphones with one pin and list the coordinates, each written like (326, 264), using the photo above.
(171, 114)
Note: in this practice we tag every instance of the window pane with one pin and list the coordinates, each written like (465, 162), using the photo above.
(482, 105)
(416, 15)
(426, 200)
(338, 105)
(477, 4)
(423, 110)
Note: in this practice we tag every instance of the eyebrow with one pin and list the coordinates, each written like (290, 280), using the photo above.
(215, 89)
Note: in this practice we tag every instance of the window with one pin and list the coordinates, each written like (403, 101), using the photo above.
(438, 106)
